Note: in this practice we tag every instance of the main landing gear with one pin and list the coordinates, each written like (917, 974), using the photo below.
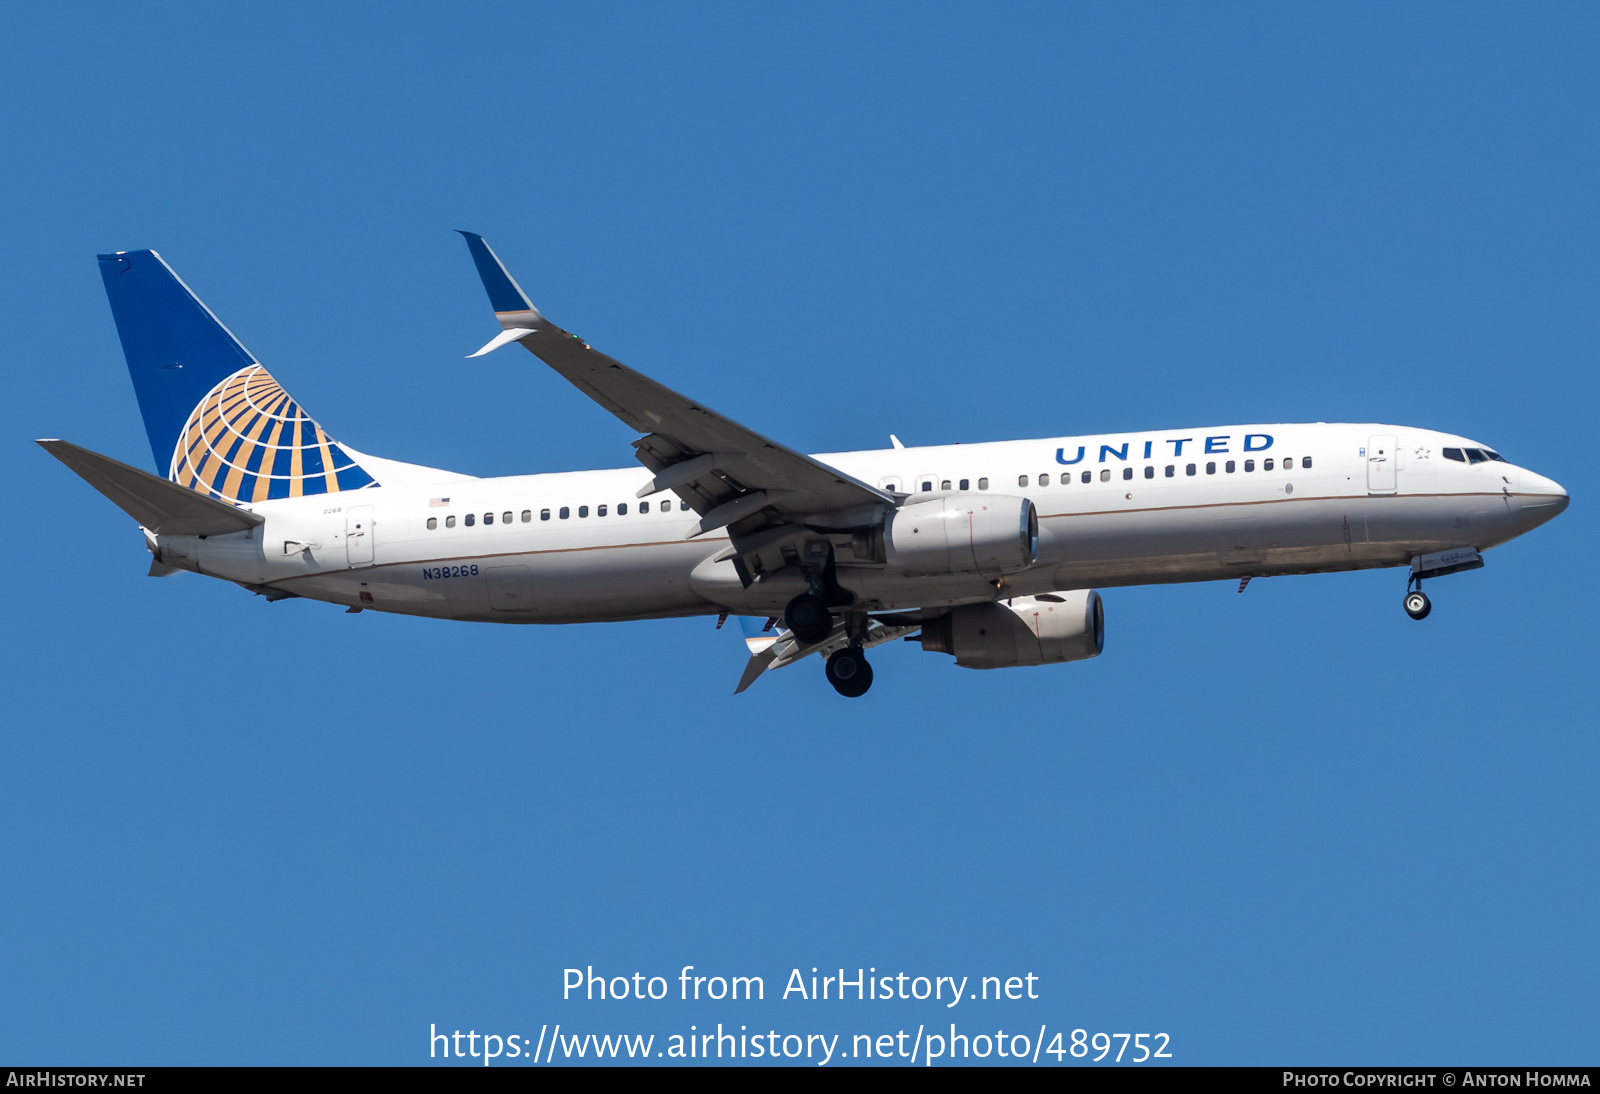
(849, 672)
(808, 618)
(1416, 603)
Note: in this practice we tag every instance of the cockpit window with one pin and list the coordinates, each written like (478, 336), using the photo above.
(1454, 454)
(1475, 455)
(1495, 456)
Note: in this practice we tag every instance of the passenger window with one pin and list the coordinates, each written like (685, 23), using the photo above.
(1088, 476)
(600, 511)
(890, 488)
(622, 509)
(1044, 480)
(433, 522)
(1211, 467)
(1127, 473)
(1066, 478)
(945, 485)
(666, 505)
(1022, 480)
(1266, 464)
(1188, 469)
(583, 511)
(644, 507)
(964, 483)
(1305, 462)
(488, 518)
(565, 512)
(1288, 463)
(544, 514)
(927, 486)
(1249, 465)
(1171, 470)
(1454, 454)
(1230, 467)
(1475, 455)
(527, 515)
(449, 522)
(1149, 471)
(983, 484)
(1105, 476)
(505, 518)
(467, 520)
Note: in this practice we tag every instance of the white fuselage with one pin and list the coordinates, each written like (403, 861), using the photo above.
(1353, 497)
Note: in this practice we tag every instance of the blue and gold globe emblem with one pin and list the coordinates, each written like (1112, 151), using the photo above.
(248, 441)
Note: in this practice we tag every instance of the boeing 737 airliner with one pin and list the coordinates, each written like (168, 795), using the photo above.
(986, 552)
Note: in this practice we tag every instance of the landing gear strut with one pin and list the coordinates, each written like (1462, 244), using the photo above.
(1416, 603)
(849, 672)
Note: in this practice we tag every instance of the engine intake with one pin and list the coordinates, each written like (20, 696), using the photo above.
(1026, 630)
(963, 534)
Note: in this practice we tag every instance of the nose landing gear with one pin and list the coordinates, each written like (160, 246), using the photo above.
(1416, 603)
(849, 672)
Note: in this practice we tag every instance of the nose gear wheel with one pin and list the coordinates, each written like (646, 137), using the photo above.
(1418, 605)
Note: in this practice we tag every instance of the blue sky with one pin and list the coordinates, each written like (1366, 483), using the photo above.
(1291, 826)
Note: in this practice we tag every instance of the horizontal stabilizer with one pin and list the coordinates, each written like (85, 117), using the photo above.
(164, 507)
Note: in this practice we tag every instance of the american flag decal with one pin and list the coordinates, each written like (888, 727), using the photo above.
(438, 503)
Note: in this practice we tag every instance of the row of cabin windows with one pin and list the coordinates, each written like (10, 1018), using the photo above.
(927, 485)
(1228, 467)
(564, 513)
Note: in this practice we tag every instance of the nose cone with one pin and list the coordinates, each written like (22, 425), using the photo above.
(1542, 498)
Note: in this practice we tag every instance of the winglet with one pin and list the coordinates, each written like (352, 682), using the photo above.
(505, 295)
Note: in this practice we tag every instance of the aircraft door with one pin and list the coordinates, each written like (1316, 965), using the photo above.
(1382, 462)
(358, 535)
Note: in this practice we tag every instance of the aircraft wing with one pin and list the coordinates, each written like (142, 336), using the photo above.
(721, 469)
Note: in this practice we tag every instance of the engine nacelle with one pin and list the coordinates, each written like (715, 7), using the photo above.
(1026, 630)
(962, 534)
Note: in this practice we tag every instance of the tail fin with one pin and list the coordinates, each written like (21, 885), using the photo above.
(218, 423)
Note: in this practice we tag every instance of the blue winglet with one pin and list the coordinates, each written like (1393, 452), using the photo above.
(505, 295)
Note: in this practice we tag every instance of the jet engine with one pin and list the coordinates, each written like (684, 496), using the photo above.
(1026, 630)
(962, 534)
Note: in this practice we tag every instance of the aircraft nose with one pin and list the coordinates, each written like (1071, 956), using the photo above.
(1545, 495)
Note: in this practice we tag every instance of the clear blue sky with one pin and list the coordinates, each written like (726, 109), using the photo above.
(1288, 826)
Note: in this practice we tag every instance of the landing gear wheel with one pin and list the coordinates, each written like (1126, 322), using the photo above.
(808, 618)
(1418, 605)
(849, 673)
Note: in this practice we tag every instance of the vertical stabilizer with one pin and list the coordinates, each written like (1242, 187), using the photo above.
(218, 422)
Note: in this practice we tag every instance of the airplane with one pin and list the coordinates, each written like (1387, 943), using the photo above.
(990, 553)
